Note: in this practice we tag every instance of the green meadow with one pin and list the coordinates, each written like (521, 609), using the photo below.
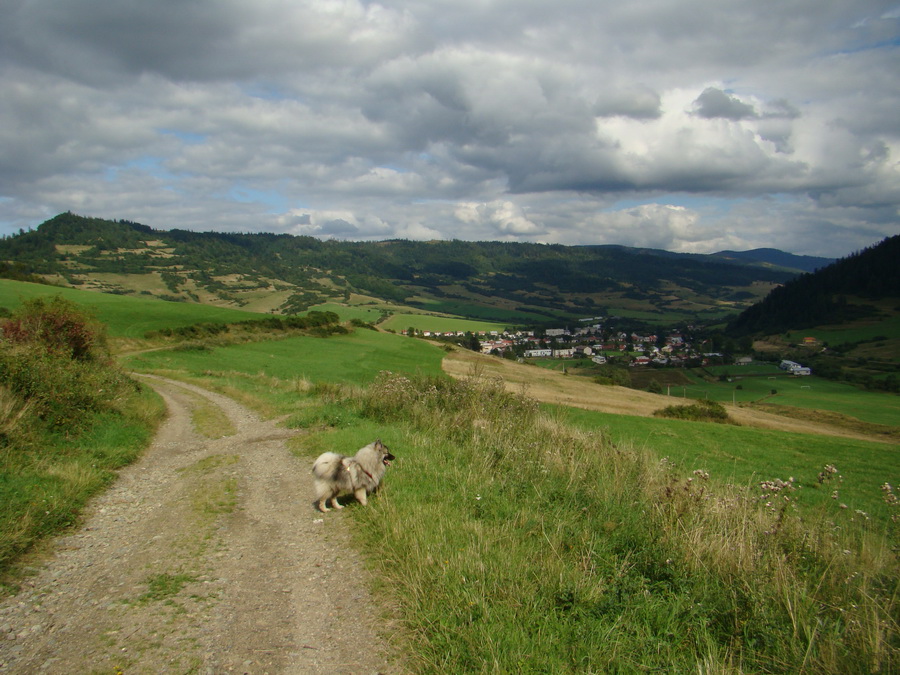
(745, 456)
(441, 324)
(124, 316)
(854, 333)
(509, 536)
(808, 391)
(355, 358)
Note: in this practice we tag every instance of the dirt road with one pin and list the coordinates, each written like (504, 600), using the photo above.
(206, 556)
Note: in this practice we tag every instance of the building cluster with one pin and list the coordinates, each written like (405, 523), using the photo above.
(592, 343)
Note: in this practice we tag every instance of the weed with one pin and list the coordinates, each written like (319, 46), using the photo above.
(162, 587)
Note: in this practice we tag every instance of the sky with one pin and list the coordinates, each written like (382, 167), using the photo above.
(692, 126)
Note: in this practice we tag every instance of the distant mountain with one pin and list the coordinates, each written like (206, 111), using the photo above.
(776, 258)
(835, 294)
(516, 283)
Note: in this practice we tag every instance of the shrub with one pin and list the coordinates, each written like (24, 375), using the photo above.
(54, 358)
(59, 327)
(700, 411)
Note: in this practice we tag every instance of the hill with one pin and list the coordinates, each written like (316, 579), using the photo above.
(775, 258)
(842, 320)
(843, 291)
(515, 283)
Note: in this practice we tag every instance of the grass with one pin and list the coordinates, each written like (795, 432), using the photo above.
(442, 324)
(47, 478)
(510, 538)
(124, 316)
(810, 392)
(744, 456)
(161, 587)
(357, 358)
(511, 541)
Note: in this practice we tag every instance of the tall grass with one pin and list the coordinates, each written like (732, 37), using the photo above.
(515, 543)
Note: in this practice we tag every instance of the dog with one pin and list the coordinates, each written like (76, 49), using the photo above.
(361, 474)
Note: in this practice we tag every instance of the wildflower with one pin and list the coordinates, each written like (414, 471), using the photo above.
(827, 473)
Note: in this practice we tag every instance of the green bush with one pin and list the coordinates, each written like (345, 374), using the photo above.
(699, 411)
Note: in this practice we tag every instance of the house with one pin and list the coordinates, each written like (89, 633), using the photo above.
(598, 359)
(537, 353)
(794, 368)
(743, 361)
(640, 361)
(563, 353)
(582, 350)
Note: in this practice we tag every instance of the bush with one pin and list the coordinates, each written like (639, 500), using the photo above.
(59, 327)
(700, 411)
(54, 358)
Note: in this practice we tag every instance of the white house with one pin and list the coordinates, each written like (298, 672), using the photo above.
(598, 359)
(537, 353)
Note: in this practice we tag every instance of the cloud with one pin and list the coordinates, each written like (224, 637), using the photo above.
(636, 101)
(575, 122)
(714, 103)
(502, 218)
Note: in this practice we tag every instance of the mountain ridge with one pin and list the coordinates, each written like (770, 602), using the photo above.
(519, 282)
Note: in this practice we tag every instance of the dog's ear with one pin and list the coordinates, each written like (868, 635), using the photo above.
(378, 443)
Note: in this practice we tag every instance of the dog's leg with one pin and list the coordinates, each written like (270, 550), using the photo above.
(334, 503)
(321, 506)
(361, 496)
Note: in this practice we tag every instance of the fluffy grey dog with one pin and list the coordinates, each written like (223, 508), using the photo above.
(361, 474)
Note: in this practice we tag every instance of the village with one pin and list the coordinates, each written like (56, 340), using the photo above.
(673, 348)
(592, 342)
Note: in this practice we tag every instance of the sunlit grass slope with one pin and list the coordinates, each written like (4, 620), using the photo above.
(357, 357)
(124, 316)
(746, 456)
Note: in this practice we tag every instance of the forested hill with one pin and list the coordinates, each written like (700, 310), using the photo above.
(841, 292)
(491, 280)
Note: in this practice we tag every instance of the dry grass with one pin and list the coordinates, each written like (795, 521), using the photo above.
(553, 387)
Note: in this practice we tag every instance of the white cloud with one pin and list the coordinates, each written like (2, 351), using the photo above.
(512, 120)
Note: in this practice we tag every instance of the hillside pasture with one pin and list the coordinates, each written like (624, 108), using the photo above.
(810, 392)
(355, 358)
(125, 316)
(747, 456)
(441, 324)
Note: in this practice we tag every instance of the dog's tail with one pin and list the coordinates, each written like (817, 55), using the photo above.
(327, 465)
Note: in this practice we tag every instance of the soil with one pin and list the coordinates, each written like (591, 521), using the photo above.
(205, 556)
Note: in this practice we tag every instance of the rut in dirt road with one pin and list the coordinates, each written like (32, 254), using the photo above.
(205, 556)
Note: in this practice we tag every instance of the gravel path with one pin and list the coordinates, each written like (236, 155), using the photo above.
(205, 556)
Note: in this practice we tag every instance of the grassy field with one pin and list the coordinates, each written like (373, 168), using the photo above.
(489, 314)
(751, 384)
(744, 456)
(809, 392)
(355, 358)
(511, 538)
(124, 316)
(510, 541)
(399, 322)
